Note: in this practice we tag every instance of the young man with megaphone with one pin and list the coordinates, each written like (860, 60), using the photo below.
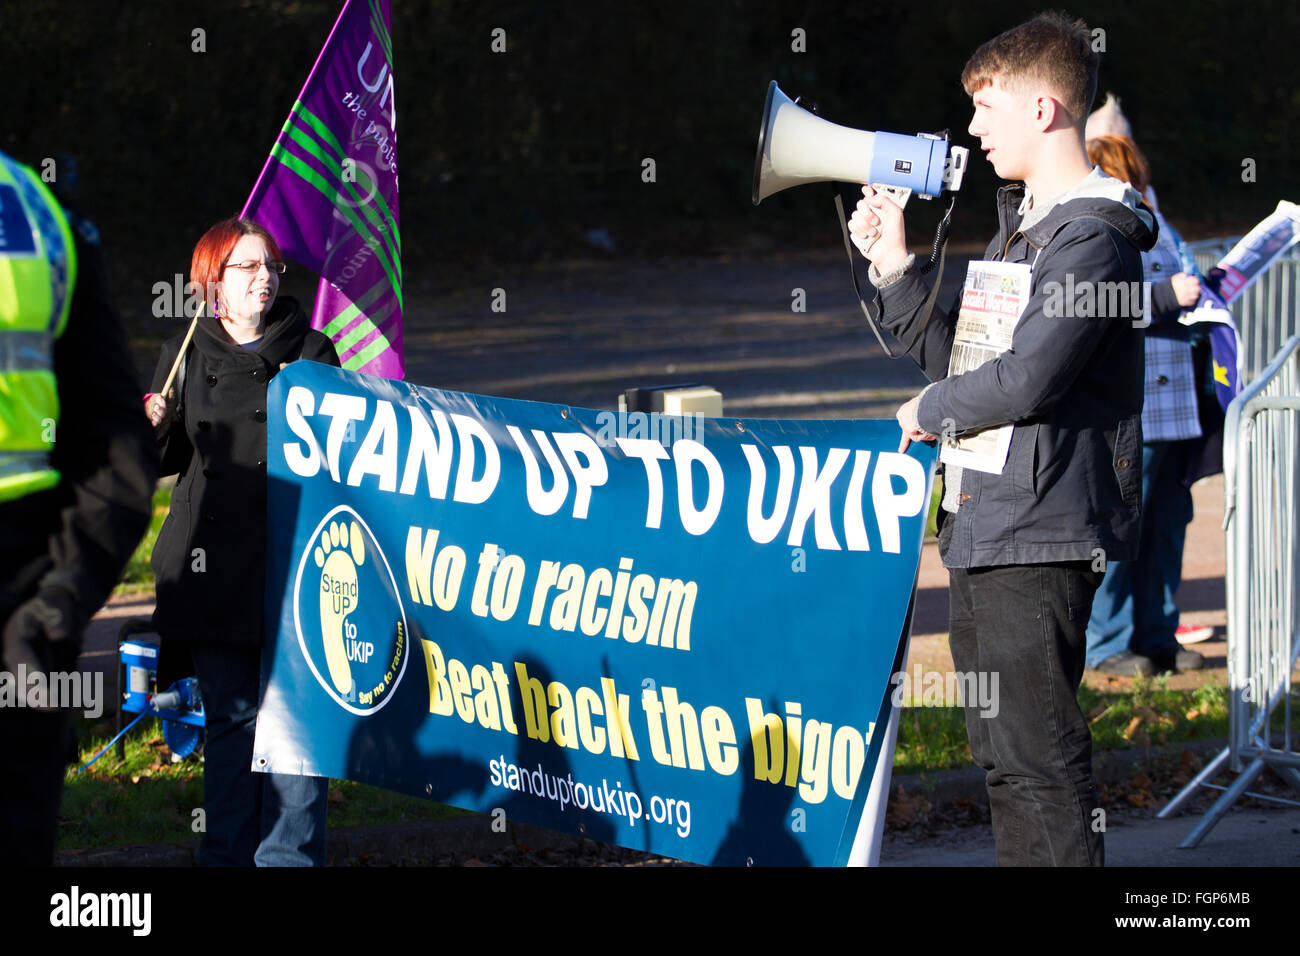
(1026, 544)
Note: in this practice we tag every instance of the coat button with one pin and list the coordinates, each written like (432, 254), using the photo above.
(1162, 379)
(259, 415)
(261, 463)
(208, 473)
(204, 424)
(210, 519)
(1122, 464)
(212, 380)
(257, 373)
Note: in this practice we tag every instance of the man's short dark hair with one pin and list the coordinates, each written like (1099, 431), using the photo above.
(1052, 49)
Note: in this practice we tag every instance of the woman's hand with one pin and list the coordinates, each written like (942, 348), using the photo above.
(155, 406)
(1187, 289)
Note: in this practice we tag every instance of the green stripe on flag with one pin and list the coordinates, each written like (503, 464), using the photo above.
(381, 31)
(309, 175)
(323, 131)
(379, 232)
(362, 329)
(318, 126)
(302, 138)
(367, 355)
(385, 41)
(359, 331)
(340, 321)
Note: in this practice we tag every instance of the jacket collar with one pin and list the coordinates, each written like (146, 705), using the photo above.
(286, 323)
(1115, 203)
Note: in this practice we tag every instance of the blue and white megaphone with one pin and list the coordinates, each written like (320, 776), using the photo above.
(797, 147)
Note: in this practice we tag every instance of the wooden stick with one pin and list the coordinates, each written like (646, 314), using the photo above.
(181, 354)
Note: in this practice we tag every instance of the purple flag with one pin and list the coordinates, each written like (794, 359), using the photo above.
(328, 191)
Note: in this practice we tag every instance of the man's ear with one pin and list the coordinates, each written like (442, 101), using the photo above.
(1044, 107)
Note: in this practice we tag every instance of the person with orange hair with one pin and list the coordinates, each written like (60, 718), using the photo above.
(1133, 629)
(210, 557)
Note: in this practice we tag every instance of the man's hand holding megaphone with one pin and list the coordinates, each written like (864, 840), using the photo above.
(877, 230)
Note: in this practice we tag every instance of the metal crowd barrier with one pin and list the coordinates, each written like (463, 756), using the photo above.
(1261, 455)
(1268, 313)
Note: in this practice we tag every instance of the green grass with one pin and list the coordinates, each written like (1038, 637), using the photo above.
(138, 573)
(147, 799)
(934, 738)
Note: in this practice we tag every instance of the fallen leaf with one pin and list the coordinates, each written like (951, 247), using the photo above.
(1132, 727)
(906, 809)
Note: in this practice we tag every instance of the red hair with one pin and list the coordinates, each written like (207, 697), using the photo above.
(1119, 158)
(211, 252)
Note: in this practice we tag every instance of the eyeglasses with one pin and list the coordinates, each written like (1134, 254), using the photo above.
(252, 265)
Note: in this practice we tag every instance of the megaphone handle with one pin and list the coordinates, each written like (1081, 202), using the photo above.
(939, 250)
(899, 194)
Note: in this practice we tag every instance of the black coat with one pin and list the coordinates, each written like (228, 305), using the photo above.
(210, 557)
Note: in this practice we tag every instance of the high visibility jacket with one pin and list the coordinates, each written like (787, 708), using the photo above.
(38, 268)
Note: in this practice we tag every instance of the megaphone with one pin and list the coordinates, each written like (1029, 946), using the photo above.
(797, 147)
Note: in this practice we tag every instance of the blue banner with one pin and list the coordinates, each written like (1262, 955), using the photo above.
(670, 633)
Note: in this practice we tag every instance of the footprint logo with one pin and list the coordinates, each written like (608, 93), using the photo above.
(356, 649)
(341, 551)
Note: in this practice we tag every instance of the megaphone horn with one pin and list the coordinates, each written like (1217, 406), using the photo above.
(797, 147)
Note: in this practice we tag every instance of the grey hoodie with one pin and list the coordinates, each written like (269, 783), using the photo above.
(1071, 383)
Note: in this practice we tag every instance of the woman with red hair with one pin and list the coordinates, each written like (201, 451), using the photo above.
(210, 558)
(1134, 628)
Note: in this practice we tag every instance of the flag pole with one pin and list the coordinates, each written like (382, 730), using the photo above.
(181, 354)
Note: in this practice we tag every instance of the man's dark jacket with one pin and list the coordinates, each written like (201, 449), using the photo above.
(1071, 383)
(210, 557)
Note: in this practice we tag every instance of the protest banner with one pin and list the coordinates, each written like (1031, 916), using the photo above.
(674, 634)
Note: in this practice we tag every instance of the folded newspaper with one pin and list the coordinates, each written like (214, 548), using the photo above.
(992, 301)
(1245, 262)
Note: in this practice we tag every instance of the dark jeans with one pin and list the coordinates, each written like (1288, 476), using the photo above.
(1135, 609)
(267, 819)
(1025, 624)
